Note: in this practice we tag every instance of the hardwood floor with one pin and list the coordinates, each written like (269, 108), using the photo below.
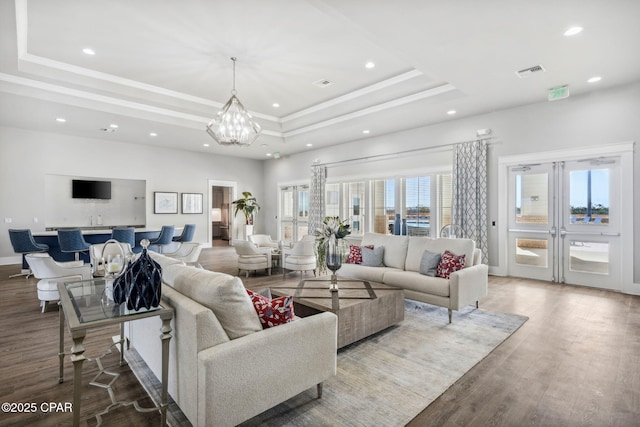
(574, 362)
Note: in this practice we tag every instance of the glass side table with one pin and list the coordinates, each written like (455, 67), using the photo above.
(88, 305)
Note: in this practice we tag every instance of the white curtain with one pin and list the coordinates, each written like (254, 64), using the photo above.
(316, 197)
(469, 204)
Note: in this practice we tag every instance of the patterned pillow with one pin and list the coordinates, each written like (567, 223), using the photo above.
(355, 254)
(450, 263)
(272, 312)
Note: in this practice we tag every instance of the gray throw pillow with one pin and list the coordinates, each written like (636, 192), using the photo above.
(429, 263)
(373, 257)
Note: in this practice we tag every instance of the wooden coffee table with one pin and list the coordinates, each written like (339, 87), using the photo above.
(363, 307)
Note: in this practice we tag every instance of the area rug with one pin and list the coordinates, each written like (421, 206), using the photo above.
(389, 378)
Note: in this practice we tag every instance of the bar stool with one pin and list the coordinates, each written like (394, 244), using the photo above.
(125, 235)
(187, 234)
(23, 243)
(72, 241)
(165, 238)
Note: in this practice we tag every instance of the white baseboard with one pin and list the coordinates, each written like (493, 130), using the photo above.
(8, 260)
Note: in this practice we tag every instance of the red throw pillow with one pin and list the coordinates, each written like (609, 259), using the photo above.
(355, 254)
(272, 312)
(449, 263)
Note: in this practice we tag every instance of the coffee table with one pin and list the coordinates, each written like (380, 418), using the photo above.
(363, 307)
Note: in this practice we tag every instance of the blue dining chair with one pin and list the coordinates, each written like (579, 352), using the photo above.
(72, 240)
(23, 243)
(165, 238)
(187, 234)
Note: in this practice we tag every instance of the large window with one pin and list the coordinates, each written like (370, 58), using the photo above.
(294, 212)
(419, 203)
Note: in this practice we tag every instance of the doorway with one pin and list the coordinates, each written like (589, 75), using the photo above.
(567, 221)
(221, 219)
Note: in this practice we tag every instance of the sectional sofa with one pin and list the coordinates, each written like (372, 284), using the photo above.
(401, 265)
(224, 368)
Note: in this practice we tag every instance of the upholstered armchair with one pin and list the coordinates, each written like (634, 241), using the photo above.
(301, 257)
(51, 272)
(23, 243)
(263, 241)
(99, 254)
(251, 258)
(188, 253)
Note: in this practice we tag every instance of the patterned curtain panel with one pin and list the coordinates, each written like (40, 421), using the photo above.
(316, 197)
(469, 204)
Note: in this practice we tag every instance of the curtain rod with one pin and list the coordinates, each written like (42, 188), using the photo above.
(414, 150)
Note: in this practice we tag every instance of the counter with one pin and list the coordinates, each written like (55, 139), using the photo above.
(92, 236)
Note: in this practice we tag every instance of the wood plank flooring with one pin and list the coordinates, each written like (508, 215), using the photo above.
(574, 363)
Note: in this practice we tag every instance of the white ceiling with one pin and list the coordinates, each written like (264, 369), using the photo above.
(164, 66)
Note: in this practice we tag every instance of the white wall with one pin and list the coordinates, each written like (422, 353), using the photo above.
(602, 117)
(27, 157)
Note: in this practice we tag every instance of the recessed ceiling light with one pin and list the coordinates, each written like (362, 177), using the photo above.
(594, 79)
(451, 112)
(88, 51)
(61, 120)
(573, 31)
(113, 126)
(269, 154)
(366, 131)
(309, 145)
(370, 64)
(206, 145)
(275, 105)
(153, 134)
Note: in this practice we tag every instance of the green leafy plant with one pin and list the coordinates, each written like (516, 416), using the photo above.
(248, 205)
(332, 229)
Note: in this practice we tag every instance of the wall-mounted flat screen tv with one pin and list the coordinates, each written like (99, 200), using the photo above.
(82, 189)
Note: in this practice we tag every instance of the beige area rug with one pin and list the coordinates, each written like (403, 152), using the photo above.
(389, 378)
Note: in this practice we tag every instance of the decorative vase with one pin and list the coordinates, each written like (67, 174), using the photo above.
(396, 225)
(140, 285)
(334, 261)
(404, 226)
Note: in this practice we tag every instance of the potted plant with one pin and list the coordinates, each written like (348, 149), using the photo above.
(248, 205)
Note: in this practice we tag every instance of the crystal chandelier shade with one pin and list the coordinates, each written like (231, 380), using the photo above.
(234, 125)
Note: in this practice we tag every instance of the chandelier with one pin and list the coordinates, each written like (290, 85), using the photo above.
(234, 125)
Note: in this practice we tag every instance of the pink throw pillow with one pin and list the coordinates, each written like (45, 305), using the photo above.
(355, 254)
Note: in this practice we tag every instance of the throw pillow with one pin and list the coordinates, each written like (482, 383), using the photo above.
(449, 263)
(272, 312)
(355, 254)
(429, 263)
(373, 257)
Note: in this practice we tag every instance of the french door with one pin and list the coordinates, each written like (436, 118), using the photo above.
(294, 212)
(565, 222)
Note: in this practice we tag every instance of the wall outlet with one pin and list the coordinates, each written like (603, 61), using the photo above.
(8, 220)
(35, 219)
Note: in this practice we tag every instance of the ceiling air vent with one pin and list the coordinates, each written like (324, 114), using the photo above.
(531, 70)
(323, 83)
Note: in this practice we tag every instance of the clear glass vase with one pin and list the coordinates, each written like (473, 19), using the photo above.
(334, 260)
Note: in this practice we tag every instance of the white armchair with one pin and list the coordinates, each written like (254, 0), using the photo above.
(99, 254)
(301, 257)
(51, 272)
(263, 241)
(251, 258)
(187, 252)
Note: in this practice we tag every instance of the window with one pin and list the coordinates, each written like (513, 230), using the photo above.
(384, 205)
(417, 206)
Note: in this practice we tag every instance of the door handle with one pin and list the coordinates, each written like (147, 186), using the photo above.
(563, 232)
(553, 231)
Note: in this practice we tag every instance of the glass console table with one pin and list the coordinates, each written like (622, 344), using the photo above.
(88, 305)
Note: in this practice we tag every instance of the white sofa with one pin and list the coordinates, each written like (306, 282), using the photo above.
(224, 368)
(402, 257)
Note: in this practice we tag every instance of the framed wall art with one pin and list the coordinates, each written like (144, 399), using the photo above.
(165, 203)
(192, 203)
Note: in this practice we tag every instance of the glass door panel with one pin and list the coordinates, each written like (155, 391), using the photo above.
(354, 194)
(384, 201)
(531, 222)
